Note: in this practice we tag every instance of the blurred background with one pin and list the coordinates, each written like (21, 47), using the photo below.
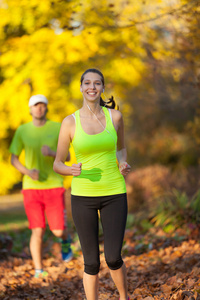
(149, 53)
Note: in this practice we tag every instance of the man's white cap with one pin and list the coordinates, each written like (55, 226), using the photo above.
(36, 99)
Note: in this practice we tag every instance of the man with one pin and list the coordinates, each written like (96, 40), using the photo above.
(42, 188)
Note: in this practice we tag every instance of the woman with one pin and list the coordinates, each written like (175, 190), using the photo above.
(97, 135)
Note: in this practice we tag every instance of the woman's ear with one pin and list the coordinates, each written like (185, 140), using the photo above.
(81, 89)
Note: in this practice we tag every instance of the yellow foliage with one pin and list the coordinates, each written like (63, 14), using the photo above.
(129, 70)
(9, 176)
(42, 53)
(176, 74)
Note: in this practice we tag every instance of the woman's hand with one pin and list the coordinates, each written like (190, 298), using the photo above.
(76, 169)
(124, 168)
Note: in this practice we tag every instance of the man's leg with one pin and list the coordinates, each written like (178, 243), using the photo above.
(62, 234)
(57, 219)
(34, 207)
(36, 247)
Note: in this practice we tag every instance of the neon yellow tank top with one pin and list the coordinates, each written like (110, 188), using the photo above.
(100, 175)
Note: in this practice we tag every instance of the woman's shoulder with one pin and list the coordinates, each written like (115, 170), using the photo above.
(116, 114)
(69, 120)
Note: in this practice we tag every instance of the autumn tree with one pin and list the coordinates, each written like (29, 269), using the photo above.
(146, 51)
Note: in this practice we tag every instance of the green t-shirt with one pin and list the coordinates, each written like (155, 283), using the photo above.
(31, 139)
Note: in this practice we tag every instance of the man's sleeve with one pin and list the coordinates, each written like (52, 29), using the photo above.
(16, 145)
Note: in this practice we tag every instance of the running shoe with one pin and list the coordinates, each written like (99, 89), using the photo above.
(41, 274)
(66, 251)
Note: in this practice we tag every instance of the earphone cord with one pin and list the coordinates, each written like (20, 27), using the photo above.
(104, 127)
(96, 116)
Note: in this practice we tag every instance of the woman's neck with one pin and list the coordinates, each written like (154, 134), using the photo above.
(91, 108)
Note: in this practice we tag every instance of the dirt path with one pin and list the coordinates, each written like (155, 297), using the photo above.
(11, 202)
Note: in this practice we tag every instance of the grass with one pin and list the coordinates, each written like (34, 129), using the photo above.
(175, 211)
(10, 221)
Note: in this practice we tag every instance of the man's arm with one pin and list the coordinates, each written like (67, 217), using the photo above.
(33, 173)
(46, 151)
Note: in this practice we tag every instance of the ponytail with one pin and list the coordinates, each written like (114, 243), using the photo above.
(109, 104)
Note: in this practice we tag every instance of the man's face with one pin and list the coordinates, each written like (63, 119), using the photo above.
(38, 111)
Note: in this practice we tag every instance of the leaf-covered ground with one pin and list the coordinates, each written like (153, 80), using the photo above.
(159, 266)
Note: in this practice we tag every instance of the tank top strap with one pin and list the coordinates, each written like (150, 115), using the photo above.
(77, 117)
(107, 115)
(109, 122)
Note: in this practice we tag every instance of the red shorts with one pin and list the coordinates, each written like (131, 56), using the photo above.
(51, 202)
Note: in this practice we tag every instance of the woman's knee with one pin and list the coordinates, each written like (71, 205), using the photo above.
(114, 264)
(92, 269)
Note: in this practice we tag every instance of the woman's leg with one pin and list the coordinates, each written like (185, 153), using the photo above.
(113, 218)
(120, 279)
(85, 216)
(91, 286)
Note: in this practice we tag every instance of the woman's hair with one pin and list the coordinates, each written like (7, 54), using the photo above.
(111, 102)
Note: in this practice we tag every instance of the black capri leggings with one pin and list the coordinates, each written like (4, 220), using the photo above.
(113, 214)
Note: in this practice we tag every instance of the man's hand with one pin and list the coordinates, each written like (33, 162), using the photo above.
(46, 151)
(34, 174)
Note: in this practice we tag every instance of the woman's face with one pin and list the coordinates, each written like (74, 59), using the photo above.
(92, 86)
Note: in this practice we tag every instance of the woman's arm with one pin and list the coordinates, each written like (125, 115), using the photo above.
(65, 137)
(121, 149)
